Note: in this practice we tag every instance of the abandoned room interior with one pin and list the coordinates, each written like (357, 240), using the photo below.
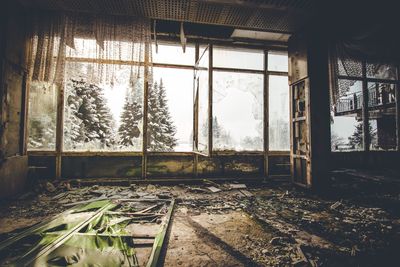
(199, 133)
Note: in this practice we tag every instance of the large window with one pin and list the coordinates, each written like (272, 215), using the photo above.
(103, 108)
(349, 131)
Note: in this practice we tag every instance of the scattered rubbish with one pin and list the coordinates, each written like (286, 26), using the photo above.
(213, 189)
(237, 186)
(336, 205)
(50, 187)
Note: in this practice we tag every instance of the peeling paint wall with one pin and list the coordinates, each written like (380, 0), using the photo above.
(13, 159)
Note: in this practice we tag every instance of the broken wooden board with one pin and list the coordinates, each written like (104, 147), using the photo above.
(102, 231)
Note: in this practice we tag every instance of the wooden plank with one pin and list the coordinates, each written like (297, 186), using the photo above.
(159, 240)
(61, 239)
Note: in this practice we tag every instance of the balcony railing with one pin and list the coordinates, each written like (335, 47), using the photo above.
(353, 103)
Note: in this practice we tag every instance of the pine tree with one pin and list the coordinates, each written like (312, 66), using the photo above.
(161, 131)
(88, 117)
(131, 116)
(168, 128)
(356, 139)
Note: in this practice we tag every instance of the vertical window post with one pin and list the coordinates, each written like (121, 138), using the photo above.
(210, 99)
(366, 137)
(145, 110)
(266, 114)
(59, 128)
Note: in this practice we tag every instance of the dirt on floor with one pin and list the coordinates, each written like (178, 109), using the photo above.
(353, 222)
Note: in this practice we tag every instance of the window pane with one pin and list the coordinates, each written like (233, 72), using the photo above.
(381, 71)
(170, 110)
(346, 118)
(279, 130)
(277, 61)
(203, 94)
(237, 58)
(382, 116)
(42, 118)
(238, 111)
(173, 54)
(100, 116)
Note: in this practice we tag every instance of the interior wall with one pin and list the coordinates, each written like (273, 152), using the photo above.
(13, 159)
(163, 166)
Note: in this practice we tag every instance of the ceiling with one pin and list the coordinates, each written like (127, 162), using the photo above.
(282, 16)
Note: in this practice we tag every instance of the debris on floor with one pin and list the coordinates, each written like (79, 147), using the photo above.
(240, 224)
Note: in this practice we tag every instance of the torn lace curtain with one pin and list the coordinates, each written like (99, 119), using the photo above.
(348, 58)
(344, 64)
(103, 43)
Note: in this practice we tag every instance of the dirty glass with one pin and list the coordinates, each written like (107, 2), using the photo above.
(279, 127)
(237, 111)
(102, 116)
(346, 118)
(277, 61)
(173, 54)
(238, 58)
(42, 117)
(382, 115)
(202, 90)
(170, 110)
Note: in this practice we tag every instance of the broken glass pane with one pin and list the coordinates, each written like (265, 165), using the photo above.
(203, 95)
(279, 127)
(42, 117)
(238, 111)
